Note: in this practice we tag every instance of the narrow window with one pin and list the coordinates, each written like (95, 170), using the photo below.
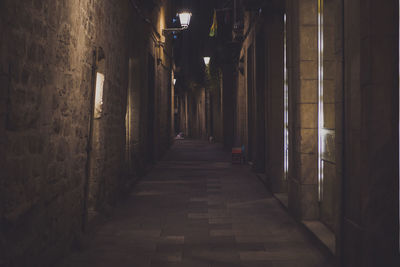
(286, 103)
(98, 108)
(320, 98)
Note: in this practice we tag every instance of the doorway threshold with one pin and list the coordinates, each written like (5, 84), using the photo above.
(323, 233)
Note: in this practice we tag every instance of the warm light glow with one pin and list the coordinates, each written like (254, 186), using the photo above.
(321, 132)
(98, 108)
(285, 105)
(206, 60)
(184, 17)
(174, 81)
(128, 117)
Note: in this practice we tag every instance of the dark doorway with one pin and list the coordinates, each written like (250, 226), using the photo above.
(150, 109)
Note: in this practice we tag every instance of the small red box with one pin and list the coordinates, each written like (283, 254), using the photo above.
(237, 155)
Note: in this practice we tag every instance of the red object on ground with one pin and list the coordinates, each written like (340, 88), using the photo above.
(237, 155)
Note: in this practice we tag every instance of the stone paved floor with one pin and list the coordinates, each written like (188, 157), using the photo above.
(196, 209)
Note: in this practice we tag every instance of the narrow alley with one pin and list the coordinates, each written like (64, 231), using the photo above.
(199, 133)
(197, 209)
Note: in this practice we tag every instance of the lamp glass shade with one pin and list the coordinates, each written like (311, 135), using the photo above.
(206, 60)
(184, 17)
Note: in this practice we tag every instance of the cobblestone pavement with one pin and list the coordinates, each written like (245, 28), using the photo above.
(196, 209)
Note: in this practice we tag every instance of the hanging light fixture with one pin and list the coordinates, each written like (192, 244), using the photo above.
(185, 17)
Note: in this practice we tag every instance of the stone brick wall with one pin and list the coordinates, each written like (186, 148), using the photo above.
(228, 76)
(242, 98)
(274, 101)
(360, 192)
(46, 84)
(371, 91)
(241, 107)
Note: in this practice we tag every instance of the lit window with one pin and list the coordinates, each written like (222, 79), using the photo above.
(321, 132)
(285, 104)
(98, 108)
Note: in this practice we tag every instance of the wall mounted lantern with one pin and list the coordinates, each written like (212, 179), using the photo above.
(206, 60)
(184, 18)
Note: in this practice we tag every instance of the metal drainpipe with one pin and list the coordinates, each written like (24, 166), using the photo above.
(89, 144)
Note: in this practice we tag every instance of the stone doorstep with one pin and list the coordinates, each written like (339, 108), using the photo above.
(322, 233)
(317, 229)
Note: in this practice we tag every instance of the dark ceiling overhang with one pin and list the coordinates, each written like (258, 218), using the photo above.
(254, 4)
(264, 4)
(148, 5)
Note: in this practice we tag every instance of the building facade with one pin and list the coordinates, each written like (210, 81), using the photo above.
(316, 109)
(85, 110)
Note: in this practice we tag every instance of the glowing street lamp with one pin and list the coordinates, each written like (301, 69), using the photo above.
(206, 60)
(184, 18)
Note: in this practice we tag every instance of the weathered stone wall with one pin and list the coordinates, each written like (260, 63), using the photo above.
(333, 114)
(217, 112)
(46, 85)
(370, 181)
(303, 183)
(228, 74)
(246, 138)
(360, 195)
(305, 100)
(241, 106)
(274, 100)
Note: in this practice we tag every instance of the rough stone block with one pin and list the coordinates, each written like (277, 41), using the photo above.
(23, 110)
(329, 69)
(329, 43)
(308, 12)
(308, 91)
(17, 46)
(329, 116)
(328, 212)
(309, 202)
(308, 169)
(308, 141)
(309, 70)
(35, 144)
(308, 116)
(329, 91)
(308, 43)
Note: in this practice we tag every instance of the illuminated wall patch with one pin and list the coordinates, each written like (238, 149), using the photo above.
(98, 108)
(285, 105)
(320, 98)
